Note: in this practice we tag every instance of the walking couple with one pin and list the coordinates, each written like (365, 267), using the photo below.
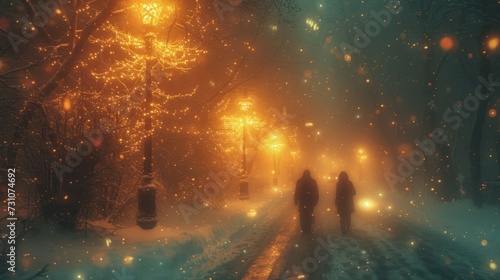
(306, 197)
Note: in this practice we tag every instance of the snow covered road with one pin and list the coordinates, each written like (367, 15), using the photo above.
(383, 245)
(393, 238)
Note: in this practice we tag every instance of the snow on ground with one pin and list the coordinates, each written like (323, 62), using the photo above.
(394, 237)
(475, 228)
(174, 248)
(401, 237)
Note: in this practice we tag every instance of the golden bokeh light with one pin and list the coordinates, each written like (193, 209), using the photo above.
(245, 105)
(67, 104)
(252, 213)
(367, 204)
(447, 43)
(493, 43)
(128, 260)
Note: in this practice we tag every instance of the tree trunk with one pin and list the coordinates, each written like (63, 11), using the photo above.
(477, 130)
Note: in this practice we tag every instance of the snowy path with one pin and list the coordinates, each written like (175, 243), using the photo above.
(260, 239)
(381, 246)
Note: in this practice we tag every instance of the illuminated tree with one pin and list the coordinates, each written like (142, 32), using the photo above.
(82, 70)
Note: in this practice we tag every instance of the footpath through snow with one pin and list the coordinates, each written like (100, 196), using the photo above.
(172, 250)
(401, 237)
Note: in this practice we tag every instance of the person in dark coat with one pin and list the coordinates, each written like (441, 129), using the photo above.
(306, 197)
(344, 200)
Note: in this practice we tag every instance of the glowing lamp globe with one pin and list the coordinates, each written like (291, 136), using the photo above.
(150, 13)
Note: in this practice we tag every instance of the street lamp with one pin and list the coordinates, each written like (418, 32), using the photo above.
(362, 157)
(293, 154)
(275, 168)
(276, 148)
(245, 105)
(146, 216)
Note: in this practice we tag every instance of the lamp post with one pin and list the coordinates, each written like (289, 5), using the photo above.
(275, 146)
(362, 157)
(293, 153)
(245, 105)
(146, 217)
(275, 167)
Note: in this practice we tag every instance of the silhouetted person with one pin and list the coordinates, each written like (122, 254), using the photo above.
(306, 196)
(344, 200)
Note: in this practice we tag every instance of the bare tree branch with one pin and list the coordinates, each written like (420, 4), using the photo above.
(70, 61)
(34, 15)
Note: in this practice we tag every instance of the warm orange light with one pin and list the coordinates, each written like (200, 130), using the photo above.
(245, 104)
(493, 43)
(252, 213)
(347, 58)
(405, 150)
(67, 104)
(367, 204)
(150, 13)
(492, 113)
(447, 43)
(362, 155)
(128, 260)
(274, 143)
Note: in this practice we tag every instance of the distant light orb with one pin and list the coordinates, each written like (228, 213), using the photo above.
(493, 265)
(493, 43)
(367, 204)
(405, 150)
(128, 260)
(252, 213)
(492, 113)
(484, 243)
(447, 43)
(67, 104)
(347, 58)
(307, 73)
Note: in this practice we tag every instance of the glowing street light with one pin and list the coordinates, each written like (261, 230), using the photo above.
(275, 145)
(146, 216)
(293, 154)
(150, 14)
(362, 156)
(245, 105)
